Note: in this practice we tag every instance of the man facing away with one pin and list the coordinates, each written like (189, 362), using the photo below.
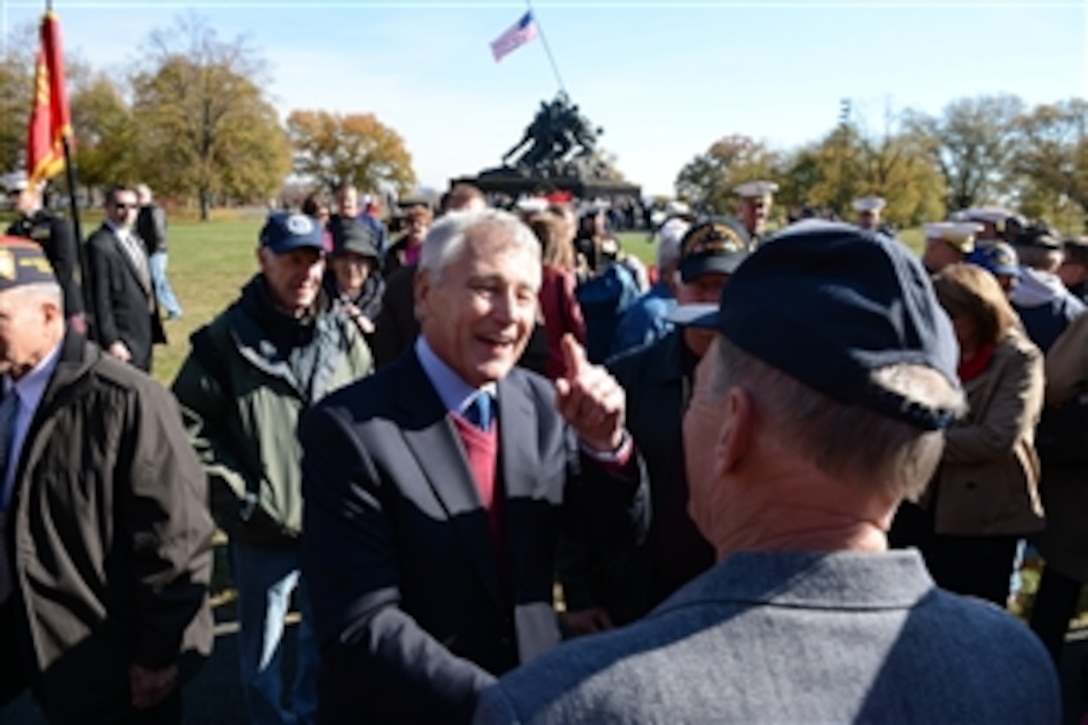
(657, 379)
(151, 226)
(106, 547)
(826, 333)
(436, 489)
(251, 372)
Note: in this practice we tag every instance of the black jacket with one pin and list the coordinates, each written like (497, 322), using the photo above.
(628, 585)
(151, 227)
(54, 234)
(109, 538)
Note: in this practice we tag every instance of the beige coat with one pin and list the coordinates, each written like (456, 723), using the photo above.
(987, 483)
(1064, 489)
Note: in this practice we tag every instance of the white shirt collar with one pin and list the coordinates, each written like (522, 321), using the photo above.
(119, 232)
(454, 392)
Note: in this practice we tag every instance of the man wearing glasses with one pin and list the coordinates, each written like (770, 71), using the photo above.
(123, 302)
(54, 235)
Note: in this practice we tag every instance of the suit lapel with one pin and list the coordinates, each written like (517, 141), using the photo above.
(433, 441)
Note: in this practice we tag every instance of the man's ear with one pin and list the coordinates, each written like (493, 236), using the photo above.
(421, 289)
(735, 436)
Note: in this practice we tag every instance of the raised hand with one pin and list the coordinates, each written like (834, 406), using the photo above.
(590, 399)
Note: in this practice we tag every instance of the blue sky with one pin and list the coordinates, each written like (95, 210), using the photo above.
(664, 79)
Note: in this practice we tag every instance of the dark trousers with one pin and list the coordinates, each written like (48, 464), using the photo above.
(978, 566)
(1055, 604)
(12, 676)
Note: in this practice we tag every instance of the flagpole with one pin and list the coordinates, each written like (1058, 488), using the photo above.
(547, 48)
(73, 206)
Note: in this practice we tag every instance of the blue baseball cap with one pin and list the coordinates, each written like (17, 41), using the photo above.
(828, 304)
(998, 259)
(284, 232)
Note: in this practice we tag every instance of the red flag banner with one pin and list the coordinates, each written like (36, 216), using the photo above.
(50, 121)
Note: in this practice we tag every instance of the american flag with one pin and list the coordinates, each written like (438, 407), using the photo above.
(518, 35)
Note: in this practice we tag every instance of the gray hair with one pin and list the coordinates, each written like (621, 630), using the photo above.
(894, 456)
(446, 239)
(668, 247)
(40, 292)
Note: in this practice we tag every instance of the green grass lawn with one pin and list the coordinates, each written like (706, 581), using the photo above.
(209, 263)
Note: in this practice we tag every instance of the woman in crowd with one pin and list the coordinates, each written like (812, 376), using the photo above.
(352, 276)
(406, 250)
(984, 496)
(317, 206)
(561, 312)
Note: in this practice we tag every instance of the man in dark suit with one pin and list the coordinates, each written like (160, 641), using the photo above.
(436, 489)
(125, 309)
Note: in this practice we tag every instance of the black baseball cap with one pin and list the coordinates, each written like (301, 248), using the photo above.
(718, 244)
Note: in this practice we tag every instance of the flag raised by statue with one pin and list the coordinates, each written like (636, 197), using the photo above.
(50, 121)
(516, 36)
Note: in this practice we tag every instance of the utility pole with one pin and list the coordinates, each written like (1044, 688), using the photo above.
(844, 140)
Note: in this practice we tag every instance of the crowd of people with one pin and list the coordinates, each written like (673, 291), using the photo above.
(777, 476)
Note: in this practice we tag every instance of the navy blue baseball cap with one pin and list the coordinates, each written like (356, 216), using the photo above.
(998, 258)
(828, 304)
(284, 232)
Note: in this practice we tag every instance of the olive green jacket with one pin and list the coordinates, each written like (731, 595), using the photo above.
(241, 409)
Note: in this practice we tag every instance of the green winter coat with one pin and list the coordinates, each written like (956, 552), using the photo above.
(242, 403)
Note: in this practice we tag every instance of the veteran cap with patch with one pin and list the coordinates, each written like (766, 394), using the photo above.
(719, 245)
(285, 232)
(854, 301)
(21, 263)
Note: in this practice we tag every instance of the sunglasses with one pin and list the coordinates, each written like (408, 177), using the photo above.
(123, 206)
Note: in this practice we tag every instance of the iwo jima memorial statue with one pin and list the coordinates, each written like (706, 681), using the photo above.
(558, 152)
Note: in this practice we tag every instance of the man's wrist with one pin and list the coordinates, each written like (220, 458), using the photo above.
(616, 454)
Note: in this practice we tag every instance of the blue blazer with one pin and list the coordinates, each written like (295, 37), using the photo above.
(414, 611)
